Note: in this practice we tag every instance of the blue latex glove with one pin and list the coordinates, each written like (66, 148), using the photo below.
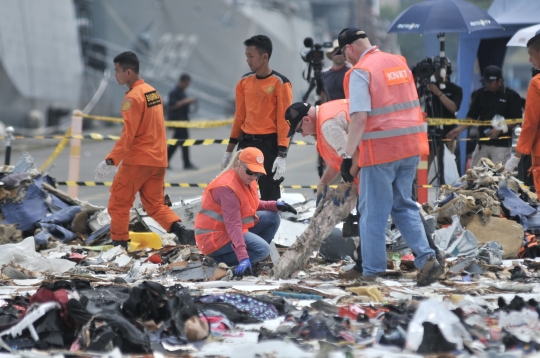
(242, 267)
(283, 206)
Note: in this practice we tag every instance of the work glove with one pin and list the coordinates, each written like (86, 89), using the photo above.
(345, 169)
(226, 159)
(279, 168)
(283, 206)
(511, 164)
(103, 170)
(321, 193)
(341, 193)
(242, 267)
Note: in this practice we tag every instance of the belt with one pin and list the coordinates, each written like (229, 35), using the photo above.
(259, 136)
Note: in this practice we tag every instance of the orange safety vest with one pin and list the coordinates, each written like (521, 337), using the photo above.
(328, 111)
(395, 128)
(210, 232)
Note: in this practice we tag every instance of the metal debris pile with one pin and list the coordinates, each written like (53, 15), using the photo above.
(66, 290)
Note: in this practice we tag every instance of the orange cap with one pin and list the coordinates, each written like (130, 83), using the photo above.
(253, 158)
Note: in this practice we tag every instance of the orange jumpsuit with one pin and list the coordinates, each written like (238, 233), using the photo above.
(529, 139)
(142, 150)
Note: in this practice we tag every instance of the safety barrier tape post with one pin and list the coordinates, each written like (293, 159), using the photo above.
(422, 173)
(75, 152)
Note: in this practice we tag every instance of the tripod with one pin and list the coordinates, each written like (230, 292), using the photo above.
(436, 146)
(316, 82)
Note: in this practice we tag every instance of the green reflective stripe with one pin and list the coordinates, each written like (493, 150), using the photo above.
(395, 132)
(212, 214)
(203, 231)
(248, 220)
(394, 108)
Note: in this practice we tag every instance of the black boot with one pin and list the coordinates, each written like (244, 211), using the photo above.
(185, 236)
(124, 244)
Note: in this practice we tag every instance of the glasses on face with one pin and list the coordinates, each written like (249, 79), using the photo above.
(299, 129)
(250, 173)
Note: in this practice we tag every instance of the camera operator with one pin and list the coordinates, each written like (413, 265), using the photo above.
(442, 103)
(333, 77)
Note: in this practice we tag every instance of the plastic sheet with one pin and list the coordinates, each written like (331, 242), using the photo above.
(25, 255)
(434, 312)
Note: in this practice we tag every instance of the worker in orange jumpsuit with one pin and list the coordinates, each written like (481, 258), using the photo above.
(142, 150)
(529, 140)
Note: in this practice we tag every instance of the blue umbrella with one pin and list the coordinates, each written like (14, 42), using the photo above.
(439, 16)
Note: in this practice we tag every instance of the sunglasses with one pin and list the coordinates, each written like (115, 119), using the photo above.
(250, 173)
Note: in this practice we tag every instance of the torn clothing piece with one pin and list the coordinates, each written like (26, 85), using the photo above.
(255, 308)
(514, 204)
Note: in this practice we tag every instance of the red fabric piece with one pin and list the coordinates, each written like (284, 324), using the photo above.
(155, 259)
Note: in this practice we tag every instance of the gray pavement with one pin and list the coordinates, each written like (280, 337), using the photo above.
(301, 163)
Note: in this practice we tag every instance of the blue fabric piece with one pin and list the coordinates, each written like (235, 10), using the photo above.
(533, 221)
(64, 216)
(257, 309)
(59, 232)
(27, 212)
(42, 237)
(56, 203)
(97, 233)
(515, 205)
(448, 198)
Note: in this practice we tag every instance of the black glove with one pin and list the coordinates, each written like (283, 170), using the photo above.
(345, 169)
(283, 206)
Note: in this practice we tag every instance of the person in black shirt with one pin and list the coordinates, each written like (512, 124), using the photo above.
(179, 111)
(333, 77)
(442, 103)
(494, 99)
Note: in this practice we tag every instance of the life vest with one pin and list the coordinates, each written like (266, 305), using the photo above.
(394, 128)
(328, 111)
(210, 232)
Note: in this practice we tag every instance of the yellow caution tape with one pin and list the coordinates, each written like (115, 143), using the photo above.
(192, 185)
(59, 148)
(446, 121)
(171, 124)
(180, 142)
(483, 139)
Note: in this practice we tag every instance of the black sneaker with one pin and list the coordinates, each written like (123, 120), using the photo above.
(190, 167)
(185, 236)
(431, 271)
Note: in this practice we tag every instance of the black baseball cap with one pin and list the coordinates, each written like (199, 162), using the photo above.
(492, 73)
(533, 38)
(348, 36)
(294, 115)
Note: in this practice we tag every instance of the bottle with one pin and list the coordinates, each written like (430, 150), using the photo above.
(397, 262)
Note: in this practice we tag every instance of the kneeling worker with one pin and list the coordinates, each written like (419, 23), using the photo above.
(234, 226)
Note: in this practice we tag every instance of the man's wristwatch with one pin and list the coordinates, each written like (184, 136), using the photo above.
(109, 162)
(346, 156)
(282, 154)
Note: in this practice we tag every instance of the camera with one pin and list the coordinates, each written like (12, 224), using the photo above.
(424, 70)
(314, 58)
(315, 55)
